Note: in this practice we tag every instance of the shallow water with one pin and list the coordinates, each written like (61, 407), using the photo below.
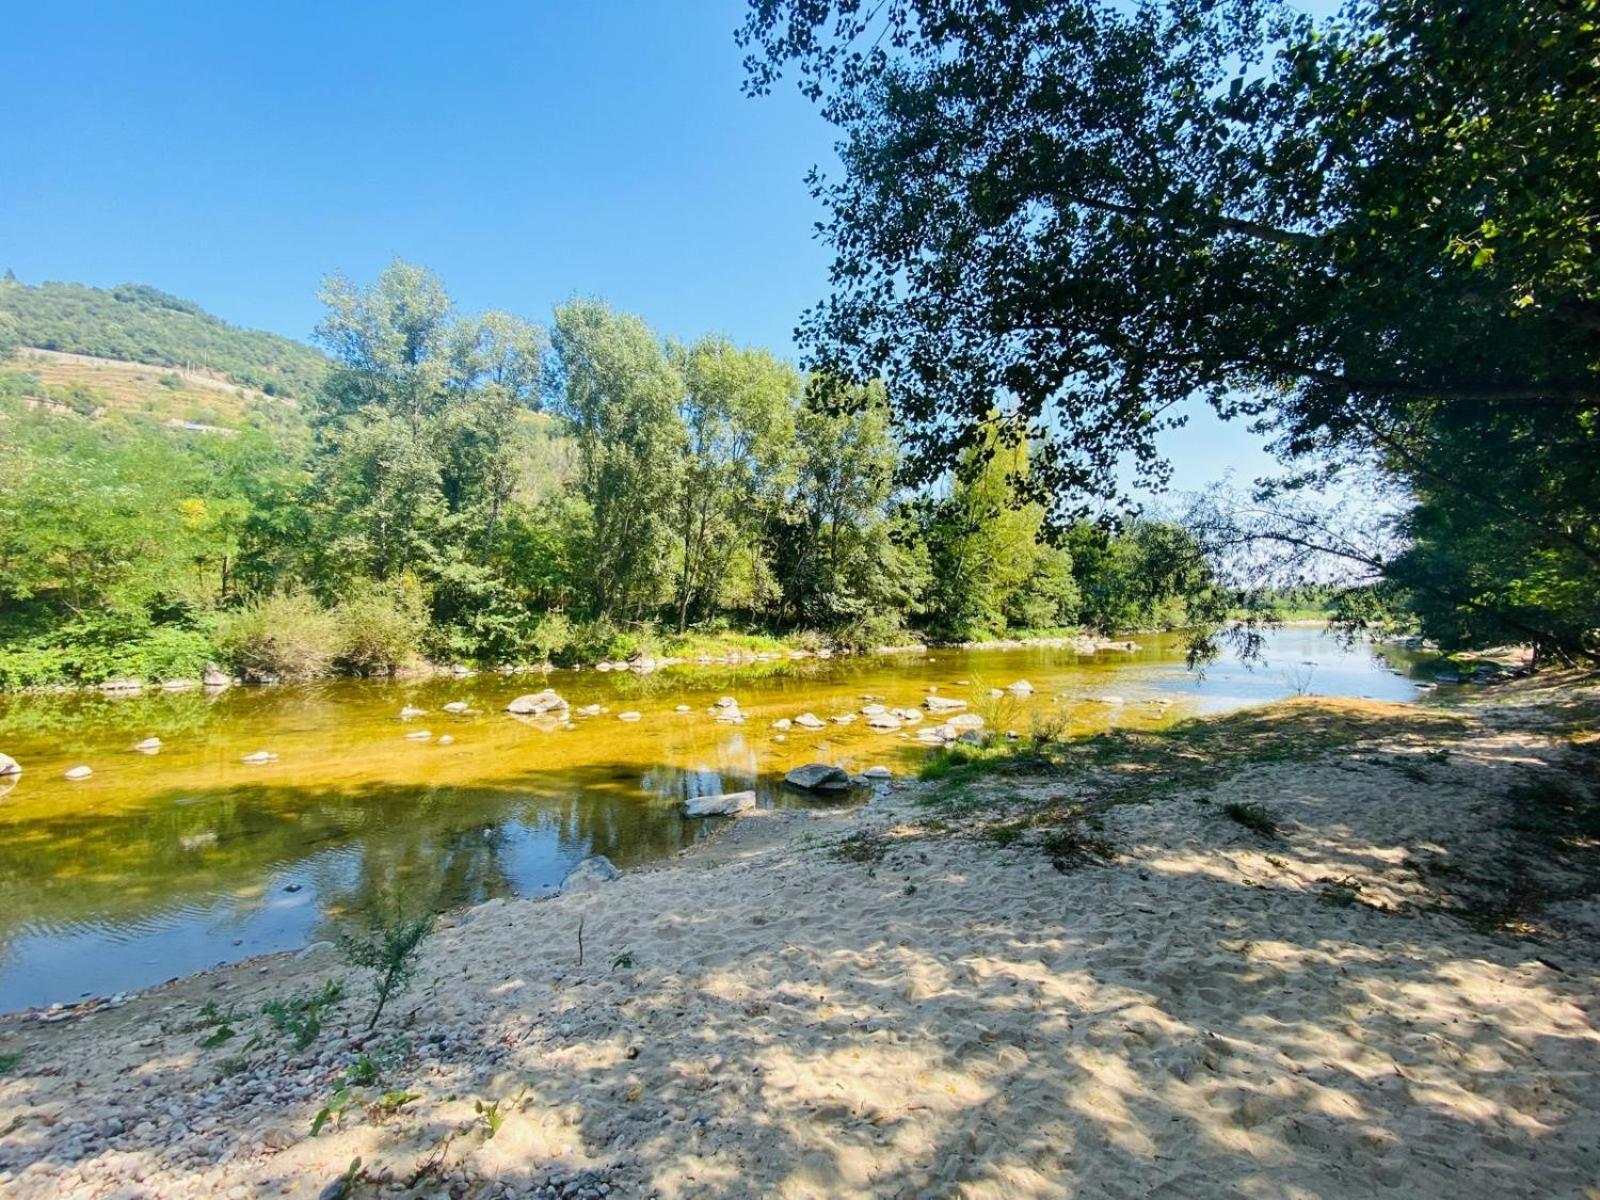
(163, 864)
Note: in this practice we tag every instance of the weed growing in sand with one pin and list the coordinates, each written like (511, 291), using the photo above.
(8, 1063)
(299, 1018)
(860, 848)
(623, 961)
(1254, 817)
(362, 1073)
(1008, 834)
(333, 1110)
(1072, 845)
(390, 1103)
(218, 1036)
(492, 1114)
(229, 1067)
(389, 950)
(1340, 893)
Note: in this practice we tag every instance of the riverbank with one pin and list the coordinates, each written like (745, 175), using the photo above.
(1069, 972)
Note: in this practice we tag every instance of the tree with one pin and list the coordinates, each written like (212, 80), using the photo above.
(983, 546)
(739, 420)
(619, 393)
(843, 558)
(1363, 229)
(416, 454)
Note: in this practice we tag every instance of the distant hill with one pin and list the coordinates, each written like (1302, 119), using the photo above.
(136, 323)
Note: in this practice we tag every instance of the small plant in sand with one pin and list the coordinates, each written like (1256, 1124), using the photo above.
(1254, 817)
(362, 1073)
(333, 1110)
(1071, 845)
(860, 848)
(1341, 893)
(8, 1063)
(299, 1018)
(390, 950)
(493, 1118)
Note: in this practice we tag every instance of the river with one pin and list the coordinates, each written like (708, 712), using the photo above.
(163, 864)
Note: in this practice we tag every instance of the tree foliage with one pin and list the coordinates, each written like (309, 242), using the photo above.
(1375, 232)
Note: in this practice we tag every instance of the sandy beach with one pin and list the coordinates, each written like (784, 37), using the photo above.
(937, 994)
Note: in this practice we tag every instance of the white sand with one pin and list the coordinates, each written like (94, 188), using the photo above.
(1192, 1020)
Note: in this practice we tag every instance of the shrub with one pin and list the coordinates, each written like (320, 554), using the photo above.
(389, 949)
(170, 652)
(285, 636)
(381, 628)
(552, 636)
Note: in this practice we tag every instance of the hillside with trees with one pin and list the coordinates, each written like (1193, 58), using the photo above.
(136, 323)
(477, 487)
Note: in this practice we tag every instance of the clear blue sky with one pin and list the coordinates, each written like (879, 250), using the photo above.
(235, 154)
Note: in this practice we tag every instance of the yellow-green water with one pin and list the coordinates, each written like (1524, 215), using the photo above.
(162, 864)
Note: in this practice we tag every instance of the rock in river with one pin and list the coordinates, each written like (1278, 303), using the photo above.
(940, 704)
(589, 873)
(727, 805)
(536, 704)
(149, 746)
(78, 773)
(9, 766)
(818, 777)
(215, 677)
(808, 720)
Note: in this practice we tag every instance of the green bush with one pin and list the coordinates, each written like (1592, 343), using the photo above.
(284, 636)
(110, 646)
(381, 628)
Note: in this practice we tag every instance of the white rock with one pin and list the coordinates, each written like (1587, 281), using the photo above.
(9, 766)
(872, 710)
(630, 715)
(965, 721)
(942, 704)
(680, 708)
(808, 720)
(79, 772)
(588, 710)
(879, 772)
(727, 702)
(728, 804)
(149, 746)
(447, 740)
(1020, 688)
(419, 735)
(782, 723)
(456, 706)
(260, 756)
(1105, 699)
(536, 704)
(887, 722)
(408, 712)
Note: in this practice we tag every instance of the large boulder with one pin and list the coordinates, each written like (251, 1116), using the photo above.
(9, 766)
(589, 874)
(942, 704)
(215, 677)
(818, 777)
(729, 804)
(536, 704)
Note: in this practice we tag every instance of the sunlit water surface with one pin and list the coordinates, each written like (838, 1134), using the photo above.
(163, 864)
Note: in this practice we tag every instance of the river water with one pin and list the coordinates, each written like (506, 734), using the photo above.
(163, 864)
